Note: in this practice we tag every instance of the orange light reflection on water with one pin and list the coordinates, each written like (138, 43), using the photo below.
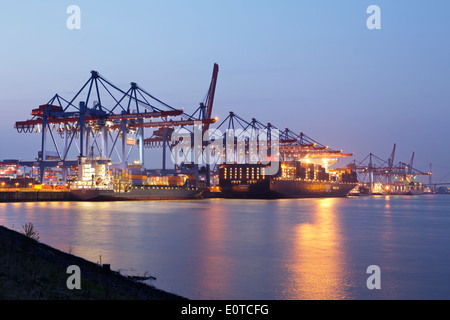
(215, 270)
(318, 258)
(91, 225)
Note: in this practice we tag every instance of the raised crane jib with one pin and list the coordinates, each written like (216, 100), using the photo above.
(210, 98)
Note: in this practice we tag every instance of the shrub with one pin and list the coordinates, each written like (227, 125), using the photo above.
(30, 231)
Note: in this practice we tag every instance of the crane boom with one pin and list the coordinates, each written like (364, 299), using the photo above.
(392, 157)
(411, 164)
(211, 93)
(75, 118)
(170, 123)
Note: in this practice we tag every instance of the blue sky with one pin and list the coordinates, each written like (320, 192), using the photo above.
(312, 66)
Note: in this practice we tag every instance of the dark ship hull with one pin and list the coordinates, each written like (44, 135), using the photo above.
(138, 193)
(301, 189)
(278, 189)
(246, 181)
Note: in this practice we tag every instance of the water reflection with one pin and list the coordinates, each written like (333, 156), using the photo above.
(212, 268)
(286, 249)
(318, 258)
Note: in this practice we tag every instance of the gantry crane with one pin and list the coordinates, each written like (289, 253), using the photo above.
(114, 110)
(240, 136)
(373, 170)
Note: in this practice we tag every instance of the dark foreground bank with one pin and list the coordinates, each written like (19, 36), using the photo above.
(30, 270)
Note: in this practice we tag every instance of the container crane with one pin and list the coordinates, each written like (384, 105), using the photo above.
(382, 174)
(114, 110)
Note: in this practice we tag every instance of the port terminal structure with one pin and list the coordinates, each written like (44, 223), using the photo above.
(384, 176)
(105, 122)
(289, 145)
(102, 121)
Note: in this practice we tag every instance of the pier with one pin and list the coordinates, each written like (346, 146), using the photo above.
(32, 195)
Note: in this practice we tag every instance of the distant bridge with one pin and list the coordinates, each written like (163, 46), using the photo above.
(437, 184)
(434, 186)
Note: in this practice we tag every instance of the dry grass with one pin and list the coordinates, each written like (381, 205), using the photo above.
(30, 270)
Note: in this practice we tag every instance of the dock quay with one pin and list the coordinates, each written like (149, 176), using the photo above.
(34, 195)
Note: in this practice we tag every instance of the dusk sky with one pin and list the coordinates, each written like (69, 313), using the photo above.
(311, 66)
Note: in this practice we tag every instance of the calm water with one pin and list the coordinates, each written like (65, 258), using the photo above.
(260, 249)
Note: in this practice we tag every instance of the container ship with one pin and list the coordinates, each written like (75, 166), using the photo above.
(294, 179)
(143, 192)
(96, 182)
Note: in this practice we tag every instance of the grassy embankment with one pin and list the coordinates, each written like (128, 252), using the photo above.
(34, 271)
